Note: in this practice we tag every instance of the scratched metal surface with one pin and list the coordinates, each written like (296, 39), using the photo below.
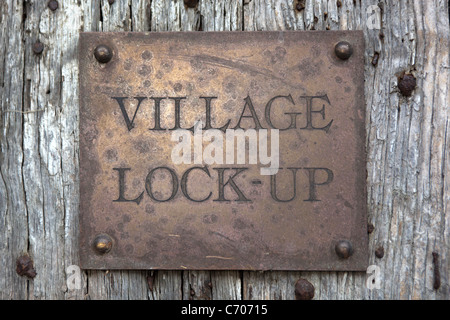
(259, 234)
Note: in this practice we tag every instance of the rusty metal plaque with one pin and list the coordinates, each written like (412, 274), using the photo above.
(230, 150)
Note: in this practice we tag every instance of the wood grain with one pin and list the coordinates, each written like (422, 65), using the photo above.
(407, 143)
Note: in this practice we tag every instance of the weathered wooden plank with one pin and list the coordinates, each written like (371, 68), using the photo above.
(430, 219)
(226, 285)
(13, 206)
(197, 285)
(69, 143)
(407, 145)
(167, 285)
(400, 157)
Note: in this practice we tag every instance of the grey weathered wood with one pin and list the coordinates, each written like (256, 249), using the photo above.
(407, 146)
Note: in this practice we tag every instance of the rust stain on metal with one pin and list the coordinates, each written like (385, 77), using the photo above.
(218, 215)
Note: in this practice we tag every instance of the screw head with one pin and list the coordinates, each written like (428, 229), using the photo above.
(344, 249)
(343, 50)
(103, 53)
(38, 47)
(103, 243)
(52, 5)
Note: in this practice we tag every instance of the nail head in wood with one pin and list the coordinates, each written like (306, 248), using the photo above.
(52, 5)
(191, 3)
(38, 47)
(304, 290)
